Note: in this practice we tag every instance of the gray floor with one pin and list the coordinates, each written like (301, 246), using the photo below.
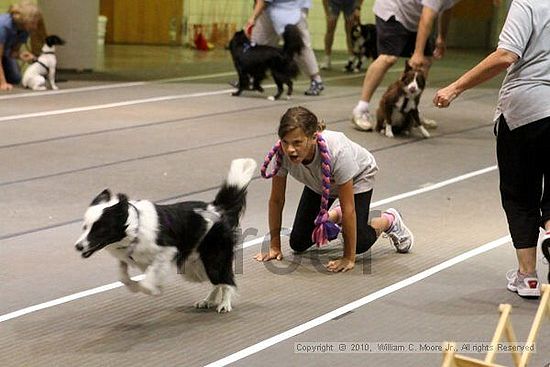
(173, 140)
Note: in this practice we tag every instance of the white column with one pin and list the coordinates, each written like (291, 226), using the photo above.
(76, 22)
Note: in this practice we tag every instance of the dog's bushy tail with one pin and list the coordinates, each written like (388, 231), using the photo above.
(231, 198)
(293, 42)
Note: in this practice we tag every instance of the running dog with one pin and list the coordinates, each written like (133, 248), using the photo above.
(44, 66)
(252, 62)
(198, 237)
(398, 110)
(363, 42)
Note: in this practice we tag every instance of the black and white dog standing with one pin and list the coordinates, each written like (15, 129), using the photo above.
(198, 237)
(363, 43)
(43, 67)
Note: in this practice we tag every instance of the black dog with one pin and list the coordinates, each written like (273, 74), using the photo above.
(253, 62)
(363, 42)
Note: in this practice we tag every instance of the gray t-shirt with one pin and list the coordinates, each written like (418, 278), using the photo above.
(407, 12)
(350, 161)
(525, 93)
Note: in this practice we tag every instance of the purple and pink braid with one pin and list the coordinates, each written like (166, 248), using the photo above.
(324, 230)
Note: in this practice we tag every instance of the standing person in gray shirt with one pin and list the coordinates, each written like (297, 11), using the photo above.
(403, 29)
(522, 126)
(330, 166)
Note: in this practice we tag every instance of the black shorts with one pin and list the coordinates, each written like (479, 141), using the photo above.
(345, 6)
(395, 40)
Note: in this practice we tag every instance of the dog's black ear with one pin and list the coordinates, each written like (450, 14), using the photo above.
(54, 40)
(407, 65)
(123, 198)
(103, 197)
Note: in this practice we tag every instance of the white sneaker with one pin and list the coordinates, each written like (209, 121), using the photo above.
(525, 286)
(400, 235)
(361, 121)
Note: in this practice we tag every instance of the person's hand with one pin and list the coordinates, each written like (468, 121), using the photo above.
(417, 61)
(248, 27)
(342, 265)
(273, 254)
(440, 48)
(26, 56)
(6, 86)
(445, 96)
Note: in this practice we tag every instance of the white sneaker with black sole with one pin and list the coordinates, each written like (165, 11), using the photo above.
(400, 235)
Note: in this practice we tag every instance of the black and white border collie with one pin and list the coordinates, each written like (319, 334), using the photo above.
(198, 237)
(363, 43)
(398, 111)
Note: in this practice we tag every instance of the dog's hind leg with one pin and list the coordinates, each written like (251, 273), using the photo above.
(211, 300)
(227, 293)
(279, 81)
(290, 88)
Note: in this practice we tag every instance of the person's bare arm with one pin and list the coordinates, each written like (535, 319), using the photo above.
(488, 68)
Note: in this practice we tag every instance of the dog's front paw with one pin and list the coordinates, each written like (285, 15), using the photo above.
(55, 87)
(224, 307)
(205, 303)
(388, 132)
(271, 98)
(149, 289)
(131, 285)
(424, 132)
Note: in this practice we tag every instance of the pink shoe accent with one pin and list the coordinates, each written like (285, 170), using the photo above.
(389, 217)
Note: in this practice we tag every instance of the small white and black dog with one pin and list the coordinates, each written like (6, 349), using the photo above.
(198, 237)
(398, 109)
(363, 43)
(252, 62)
(44, 66)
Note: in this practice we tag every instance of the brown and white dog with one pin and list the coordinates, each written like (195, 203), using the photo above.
(398, 110)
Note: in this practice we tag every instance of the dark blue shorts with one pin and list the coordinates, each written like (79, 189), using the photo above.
(395, 40)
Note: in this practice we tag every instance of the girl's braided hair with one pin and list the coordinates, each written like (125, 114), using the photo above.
(302, 118)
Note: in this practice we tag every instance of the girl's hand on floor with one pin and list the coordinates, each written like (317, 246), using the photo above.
(342, 265)
(273, 254)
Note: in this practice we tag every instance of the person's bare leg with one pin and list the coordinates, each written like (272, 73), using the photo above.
(527, 260)
(332, 21)
(375, 74)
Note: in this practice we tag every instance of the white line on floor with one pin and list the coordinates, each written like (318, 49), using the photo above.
(358, 303)
(256, 241)
(133, 102)
(113, 86)
(129, 84)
